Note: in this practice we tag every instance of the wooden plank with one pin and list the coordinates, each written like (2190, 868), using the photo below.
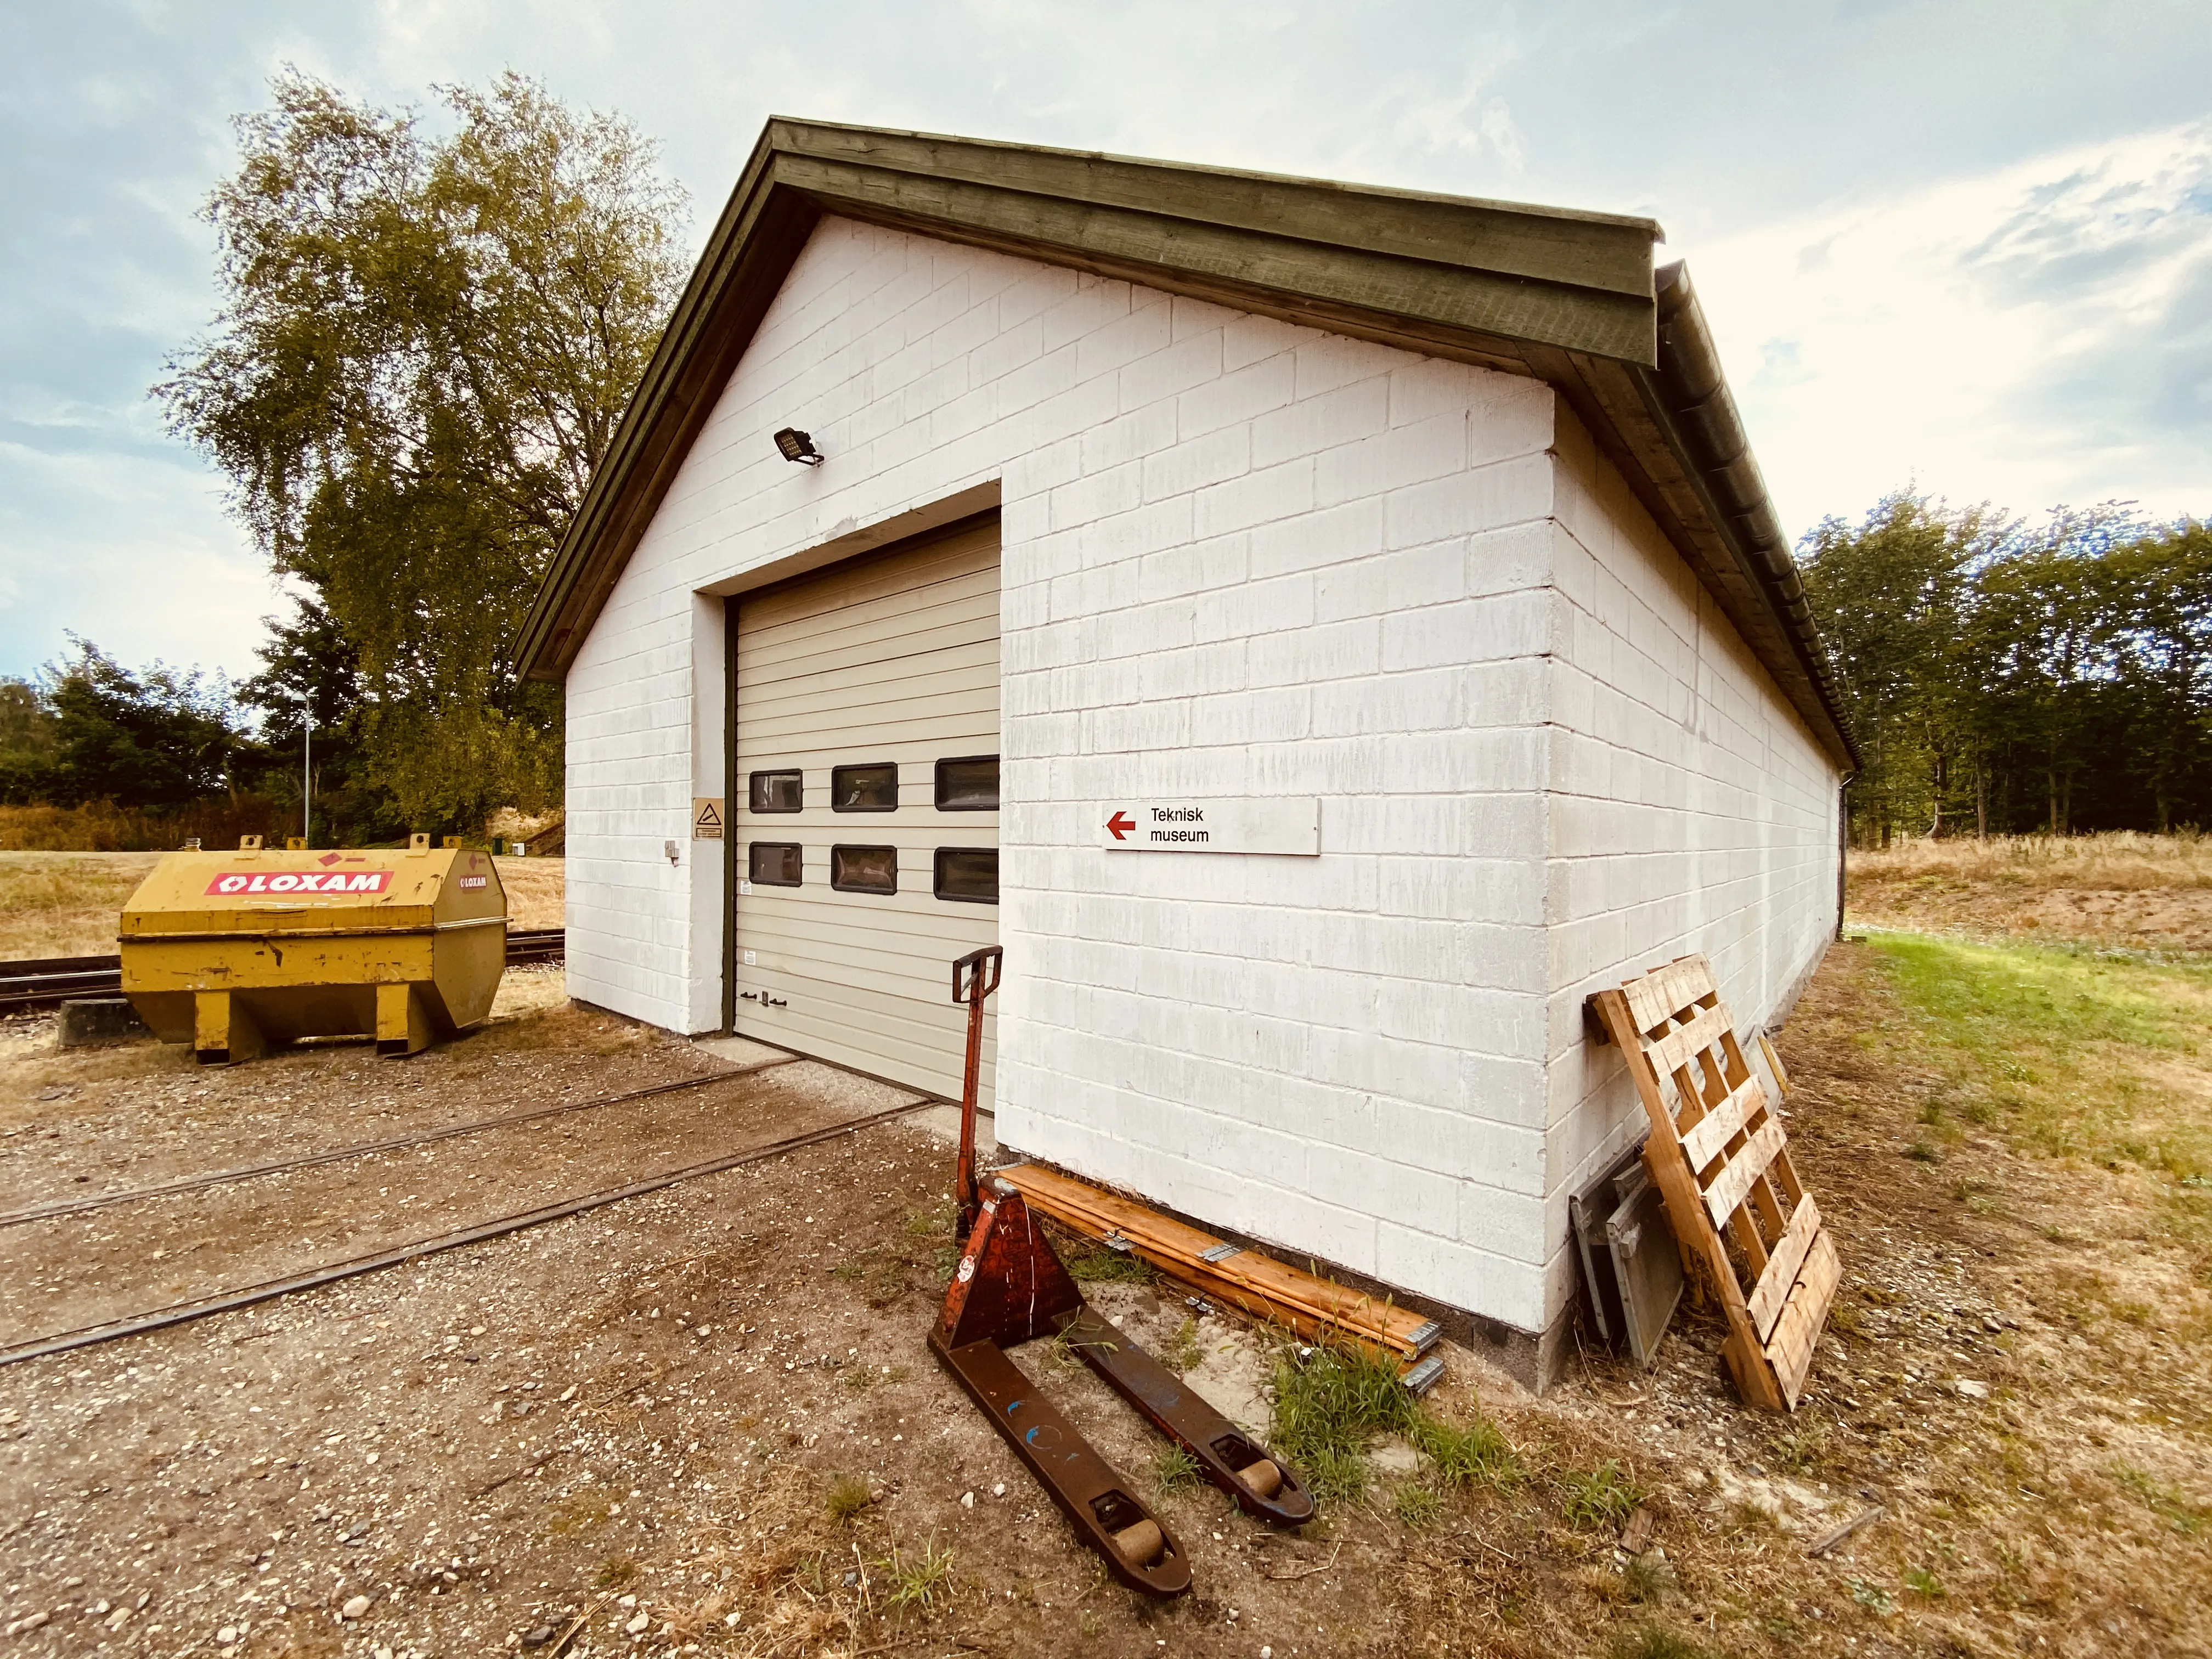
(1791, 1349)
(1703, 1142)
(1773, 1288)
(1733, 1184)
(1548, 244)
(1678, 1188)
(1180, 1249)
(1670, 1053)
(1665, 992)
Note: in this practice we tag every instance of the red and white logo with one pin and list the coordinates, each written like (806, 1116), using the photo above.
(234, 881)
(475, 881)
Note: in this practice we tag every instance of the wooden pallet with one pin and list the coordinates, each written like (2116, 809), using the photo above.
(1253, 1283)
(1723, 1165)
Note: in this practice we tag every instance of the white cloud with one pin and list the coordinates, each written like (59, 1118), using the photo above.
(2038, 333)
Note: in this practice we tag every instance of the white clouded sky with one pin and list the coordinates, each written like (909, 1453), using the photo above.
(1963, 244)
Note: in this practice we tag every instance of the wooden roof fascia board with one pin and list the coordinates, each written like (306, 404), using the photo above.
(1609, 252)
(1162, 251)
(1571, 298)
(1434, 340)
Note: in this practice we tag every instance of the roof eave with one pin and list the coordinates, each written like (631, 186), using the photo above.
(1570, 297)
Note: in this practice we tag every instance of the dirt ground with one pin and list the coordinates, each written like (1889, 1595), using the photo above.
(703, 1420)
(65, 904)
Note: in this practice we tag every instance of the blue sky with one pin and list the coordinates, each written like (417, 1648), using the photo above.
(1962, 245)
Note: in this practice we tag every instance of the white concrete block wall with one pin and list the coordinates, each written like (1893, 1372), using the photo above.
(1690, 809)
(1240, 558)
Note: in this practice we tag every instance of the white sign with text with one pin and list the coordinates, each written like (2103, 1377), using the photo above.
(1286, 824)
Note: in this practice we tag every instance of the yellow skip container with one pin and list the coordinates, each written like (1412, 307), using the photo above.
(235, 952)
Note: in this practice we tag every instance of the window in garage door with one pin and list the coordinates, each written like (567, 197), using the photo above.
(867, 744)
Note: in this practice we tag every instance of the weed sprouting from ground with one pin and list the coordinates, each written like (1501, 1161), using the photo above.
(1180, 1353)
(1330, 1403)
(846, 1497)
(1175, 1470)
(917, 1581)
(1800, 1450)
(1417, 1505)
(1648, 1578)
(1654, 1642)
(1475, 1456)
(1604, 1497)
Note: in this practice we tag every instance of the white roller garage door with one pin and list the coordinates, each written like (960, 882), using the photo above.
(866, 797)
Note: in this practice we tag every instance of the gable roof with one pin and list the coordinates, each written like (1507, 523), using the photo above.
(1571, 298)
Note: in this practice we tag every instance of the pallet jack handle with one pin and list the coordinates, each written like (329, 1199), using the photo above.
(974, 976)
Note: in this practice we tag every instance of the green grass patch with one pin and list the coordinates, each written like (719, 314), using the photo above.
(2070, 1052)
(1332, 1401)
(1604, 1497)
(846, 1497)
(1477, 1455)
(1175, 1470)
(1094, 1264)
(2162, 1500)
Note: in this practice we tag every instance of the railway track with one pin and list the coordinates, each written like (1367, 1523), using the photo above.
(226, 1300)
(59, 1207)
(43, 981)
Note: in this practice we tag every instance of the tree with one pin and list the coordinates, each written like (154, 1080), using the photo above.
(159, 737)
(27, 741)
(311, 667)
(1892, 597)
(425, 345)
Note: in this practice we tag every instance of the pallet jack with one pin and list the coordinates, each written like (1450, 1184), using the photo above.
(1012, 1287)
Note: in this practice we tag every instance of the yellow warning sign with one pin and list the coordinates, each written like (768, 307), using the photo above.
(706, 818)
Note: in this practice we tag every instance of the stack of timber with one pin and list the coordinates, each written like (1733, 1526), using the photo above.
(1254, 1284)
(1722, 1164)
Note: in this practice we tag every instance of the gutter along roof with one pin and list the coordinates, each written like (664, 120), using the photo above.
(1571, 298)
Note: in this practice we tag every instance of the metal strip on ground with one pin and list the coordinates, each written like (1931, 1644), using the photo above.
(29, 984)
(227, 1301)
(195, 1184)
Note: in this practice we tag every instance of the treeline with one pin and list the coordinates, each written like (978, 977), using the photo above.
(2008, 678)
(166, 752)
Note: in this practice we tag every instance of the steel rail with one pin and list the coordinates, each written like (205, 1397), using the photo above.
(56, 1209)
(178, 1313)
(55, 979)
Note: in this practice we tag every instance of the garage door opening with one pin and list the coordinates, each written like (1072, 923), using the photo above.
(866, 806)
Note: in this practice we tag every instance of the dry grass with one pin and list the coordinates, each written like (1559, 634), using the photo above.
(2136, 892)
(2122, 860)
(65, 904)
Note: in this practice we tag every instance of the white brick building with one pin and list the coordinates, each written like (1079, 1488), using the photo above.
(1435, 511)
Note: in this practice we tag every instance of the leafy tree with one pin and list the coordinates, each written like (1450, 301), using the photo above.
(2056, 676)
(159, 737)
(425, 344)
(310, 667)
(27, 741)
(1892, 597)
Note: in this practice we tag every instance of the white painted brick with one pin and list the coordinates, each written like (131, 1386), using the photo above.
(1242, 556)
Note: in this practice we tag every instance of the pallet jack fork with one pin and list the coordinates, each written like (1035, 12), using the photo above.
(1010, 1288)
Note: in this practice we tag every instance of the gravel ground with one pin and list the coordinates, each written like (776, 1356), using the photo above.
(704, 1420)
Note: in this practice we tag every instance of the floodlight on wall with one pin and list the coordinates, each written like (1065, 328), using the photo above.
(798, 446)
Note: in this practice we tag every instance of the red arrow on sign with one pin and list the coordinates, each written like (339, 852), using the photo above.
(1120, 823)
